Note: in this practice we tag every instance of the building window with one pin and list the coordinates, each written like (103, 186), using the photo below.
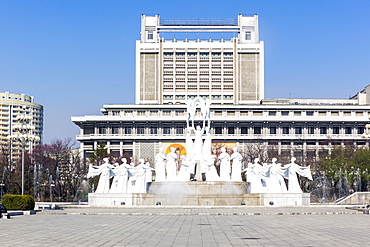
(285, 130)
(297, 113)
(115, 130)
(180, 96)
(336, 130)
(166, 113)
(323, 130)
(284, 113)
(272, 113)
(153, 130)
(298, 130)
(231, 130)
(248, 35)
(166, 130)
(128, 131)
(150, 35)
(168, 54)
(272, 130)
(360, 130)
(140, 130)
(88, 131)
(218, 130)
(309, 113)
(311, 130)
(257, 113)
(244, 130)
(347, 113)
(167, 96)
(348, 130)
(102, 130)
(257, 130)
(179, 130)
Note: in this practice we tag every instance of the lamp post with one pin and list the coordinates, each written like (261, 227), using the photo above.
(22, 132)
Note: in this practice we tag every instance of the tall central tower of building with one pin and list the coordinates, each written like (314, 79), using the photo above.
(218, 59)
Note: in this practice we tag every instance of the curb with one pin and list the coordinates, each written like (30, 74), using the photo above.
(201, 214)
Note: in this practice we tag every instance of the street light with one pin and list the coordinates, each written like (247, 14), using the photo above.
(23, 133)
(2, 183)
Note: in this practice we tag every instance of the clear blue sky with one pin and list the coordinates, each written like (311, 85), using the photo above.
(74, 56)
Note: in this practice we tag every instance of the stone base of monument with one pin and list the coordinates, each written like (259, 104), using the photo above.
(198, 194)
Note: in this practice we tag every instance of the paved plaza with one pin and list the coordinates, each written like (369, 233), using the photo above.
(198, 226)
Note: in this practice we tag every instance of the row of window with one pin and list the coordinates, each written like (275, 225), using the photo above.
(195, 54)
(182, 97)
(219, 130)
(261, 113)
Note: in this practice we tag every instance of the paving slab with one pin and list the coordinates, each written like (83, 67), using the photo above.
(213, 226)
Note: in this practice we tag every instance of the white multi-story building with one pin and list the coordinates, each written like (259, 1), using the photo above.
(14, 107)
(227, 67)
(229, 72)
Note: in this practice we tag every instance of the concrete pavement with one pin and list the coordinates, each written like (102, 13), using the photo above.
(189, 226)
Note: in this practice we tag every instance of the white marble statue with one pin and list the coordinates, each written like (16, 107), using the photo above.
(198, 142)
(291, 172)
(237, 166)
(140, 176)
(198, 109)
(119, 183)
(184, 174)
(190, 156)
(105, 172)
(275, 181)
(171, 166)
(160, 171)
(211, 173)
(255, 174)
(225, 170)
(207, 146)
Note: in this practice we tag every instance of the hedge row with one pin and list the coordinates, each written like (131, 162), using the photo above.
(18, 202)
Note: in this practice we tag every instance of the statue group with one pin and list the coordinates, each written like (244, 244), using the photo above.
(270, 178)
(172, 167)
(198, 164)
(127, 178)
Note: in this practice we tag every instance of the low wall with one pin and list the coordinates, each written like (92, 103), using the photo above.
(198, 194)
(198, 188)
(357, 198)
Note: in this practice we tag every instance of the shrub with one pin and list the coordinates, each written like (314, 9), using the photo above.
(18, 202)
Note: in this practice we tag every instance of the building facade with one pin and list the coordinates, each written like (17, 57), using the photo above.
(219, 59)
(14, 107)
(230, 74)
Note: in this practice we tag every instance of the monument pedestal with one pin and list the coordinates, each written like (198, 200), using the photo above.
(198, 194)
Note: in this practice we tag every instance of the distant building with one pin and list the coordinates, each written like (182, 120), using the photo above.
(230, 74)
(12, 107)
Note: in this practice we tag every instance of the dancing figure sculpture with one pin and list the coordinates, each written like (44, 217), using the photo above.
(119, 184)
(171, 166)
(160, 172)
(225, 170)
(291, 172)
(236, 170)
(105, 172)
